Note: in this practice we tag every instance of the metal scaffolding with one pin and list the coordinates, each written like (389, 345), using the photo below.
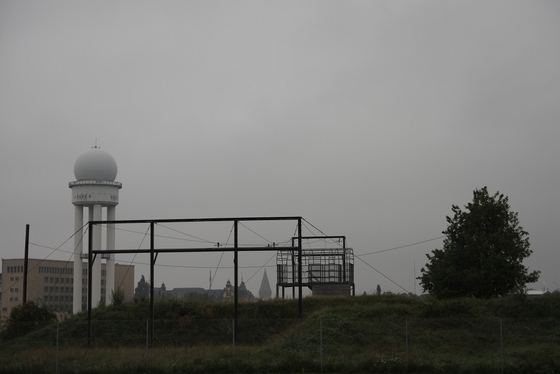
(319, 267)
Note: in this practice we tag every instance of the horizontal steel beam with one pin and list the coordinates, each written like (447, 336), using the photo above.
(190, 250)
(179, 220)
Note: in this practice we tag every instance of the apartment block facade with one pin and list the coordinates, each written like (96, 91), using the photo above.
(51, 283)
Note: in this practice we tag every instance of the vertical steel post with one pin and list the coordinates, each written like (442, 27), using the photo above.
(90, 263)
(235, 276)
(344, 265)
(300, 268)
(25, 262)
(152, 260)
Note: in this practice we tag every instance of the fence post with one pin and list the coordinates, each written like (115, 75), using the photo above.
(406, 340)
(502, 343)
(321, 341)
(147, 341)
(233, 344)
(57, 334)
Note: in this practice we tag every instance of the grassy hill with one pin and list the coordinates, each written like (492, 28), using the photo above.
(388, 333)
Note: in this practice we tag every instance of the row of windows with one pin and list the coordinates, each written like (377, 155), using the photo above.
(84, 291)
(12, 279)
(55, 270)
(14, 269)
(14, 289)
(57, 289)
(57, 299)
(68, 281)
(14, 298)
(59, 280)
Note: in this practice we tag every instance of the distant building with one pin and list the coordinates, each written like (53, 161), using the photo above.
(199, 293)
(51, 283)
(163, 293)
(243, 293)
(265, 292)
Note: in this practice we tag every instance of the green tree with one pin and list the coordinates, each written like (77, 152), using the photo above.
(483, 252)
(25, 318)
(117, 297)
(142, 292)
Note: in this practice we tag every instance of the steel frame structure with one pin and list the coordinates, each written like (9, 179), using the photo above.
(154, 252)
(318, 266)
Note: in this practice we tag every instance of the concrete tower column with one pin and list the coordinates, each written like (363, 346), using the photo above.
(96, 268)
(95, 188)
(110, 267)
(78, 247)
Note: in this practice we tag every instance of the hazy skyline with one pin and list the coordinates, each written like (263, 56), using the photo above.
(367, 118)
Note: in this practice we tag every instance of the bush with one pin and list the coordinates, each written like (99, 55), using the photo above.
(25, 318)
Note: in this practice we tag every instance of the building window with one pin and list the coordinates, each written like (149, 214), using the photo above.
(52, 280)
(46, 279)
(16, 289)
(46, 289)
(17, 299)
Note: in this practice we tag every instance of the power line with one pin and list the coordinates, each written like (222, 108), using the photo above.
(392, 281)
(400, 247)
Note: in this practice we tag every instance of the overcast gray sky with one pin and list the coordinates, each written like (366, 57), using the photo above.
(368, 118)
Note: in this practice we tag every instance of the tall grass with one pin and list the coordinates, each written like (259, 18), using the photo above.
(361, 334)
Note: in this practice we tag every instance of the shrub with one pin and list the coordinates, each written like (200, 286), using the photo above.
(25, 318)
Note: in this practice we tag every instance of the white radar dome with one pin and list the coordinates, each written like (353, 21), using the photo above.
(95, 164)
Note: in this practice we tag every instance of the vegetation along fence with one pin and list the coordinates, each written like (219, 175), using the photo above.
(285, 345)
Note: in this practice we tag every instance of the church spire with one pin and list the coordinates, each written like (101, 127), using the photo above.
(265, 293)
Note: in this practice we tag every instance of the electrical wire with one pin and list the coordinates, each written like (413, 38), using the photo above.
(183, 233)
(392, 281)
(400, 247)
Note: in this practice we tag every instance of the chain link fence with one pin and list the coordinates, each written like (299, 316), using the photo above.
(287, 345)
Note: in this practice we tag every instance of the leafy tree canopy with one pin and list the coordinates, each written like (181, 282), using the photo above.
(483, 252)
(25, 318)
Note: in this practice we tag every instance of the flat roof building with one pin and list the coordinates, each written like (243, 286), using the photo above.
(51, 283)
